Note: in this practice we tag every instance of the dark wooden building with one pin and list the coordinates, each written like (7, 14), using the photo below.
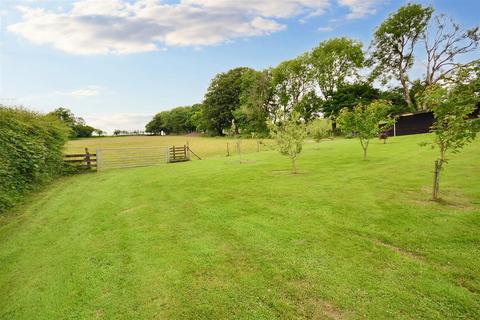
(417, 122)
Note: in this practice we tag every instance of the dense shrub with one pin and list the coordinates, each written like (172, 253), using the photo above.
(31, 151)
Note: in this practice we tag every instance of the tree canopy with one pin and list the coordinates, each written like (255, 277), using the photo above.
(334, 75)
(335, 60)
(77, 125)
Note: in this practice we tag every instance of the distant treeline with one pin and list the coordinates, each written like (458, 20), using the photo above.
(241, 100)
(118, 132)
(337, 74)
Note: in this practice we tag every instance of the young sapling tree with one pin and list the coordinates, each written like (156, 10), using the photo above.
(453, 125)
(289, 132)
(318, 131)
(365, 121)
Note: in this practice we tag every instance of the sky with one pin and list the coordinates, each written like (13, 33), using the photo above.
(118, 62)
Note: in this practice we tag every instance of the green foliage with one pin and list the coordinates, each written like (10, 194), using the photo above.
(179, 120)
(31, 151)
(83, 131)
(318, 130)
(156, 125)
(396, 98)
(197, 119)
(334, 61)
(348, 96)
(291, 80)
(453, 127)
(78, 127)
(394, 44)
(222, 99)
(366, 122)
(309, 106)
(289, 132)
(256, 102)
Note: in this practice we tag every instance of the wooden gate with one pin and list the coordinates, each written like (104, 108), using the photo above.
(178, 154)
(112, 158)
(83, 162)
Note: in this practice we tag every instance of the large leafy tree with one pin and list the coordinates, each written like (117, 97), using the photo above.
(178, 120)
(394, 43)
(452, 108)
(156, 125)
(77, 125)
(256, 102)
(334, 61)
(197, 119)
(348, 96)
(309, 106)
(395, 96)
(292, 80)
(366, 122)
(222, 99)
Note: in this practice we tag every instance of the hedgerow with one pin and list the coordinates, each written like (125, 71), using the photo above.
(31, 152)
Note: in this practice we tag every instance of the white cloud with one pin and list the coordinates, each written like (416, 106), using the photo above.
(360, 8)
(325, 29)
(122, 27)
(123, 121)
(86, 92)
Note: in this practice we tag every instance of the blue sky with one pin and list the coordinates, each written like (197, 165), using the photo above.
(118, 62)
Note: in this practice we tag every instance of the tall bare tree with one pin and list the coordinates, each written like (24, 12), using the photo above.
(445, 41)
(394, 43)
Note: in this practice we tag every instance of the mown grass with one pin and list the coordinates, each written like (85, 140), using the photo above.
(216, 239)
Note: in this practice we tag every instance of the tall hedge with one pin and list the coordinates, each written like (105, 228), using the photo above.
(31, 151)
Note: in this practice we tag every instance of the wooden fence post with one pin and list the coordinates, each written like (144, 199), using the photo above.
(167, 154)
(87, 158)
(258, 146)
(436, 179)
(228, 151)
(239, 151)
(98, 152)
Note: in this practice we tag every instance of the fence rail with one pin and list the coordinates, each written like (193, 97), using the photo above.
(110, 158)
(82, 161)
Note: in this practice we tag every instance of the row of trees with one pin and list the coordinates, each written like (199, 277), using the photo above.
(179, 120)
(337, 74)
(119, 132)
(453, 105)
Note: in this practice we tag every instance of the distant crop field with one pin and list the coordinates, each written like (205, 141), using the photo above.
(203, 146)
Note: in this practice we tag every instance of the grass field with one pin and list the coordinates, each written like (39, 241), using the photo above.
(216, 239)
(204, 146)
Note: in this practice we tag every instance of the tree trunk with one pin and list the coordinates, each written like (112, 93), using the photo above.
(334, 125)
(406, 91)
(365, 148)
(436, 179)
(294, 166)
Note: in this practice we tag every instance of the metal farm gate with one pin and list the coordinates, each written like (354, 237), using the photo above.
(110, 158)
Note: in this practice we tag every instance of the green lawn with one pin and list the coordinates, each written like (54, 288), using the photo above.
(215, 239)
